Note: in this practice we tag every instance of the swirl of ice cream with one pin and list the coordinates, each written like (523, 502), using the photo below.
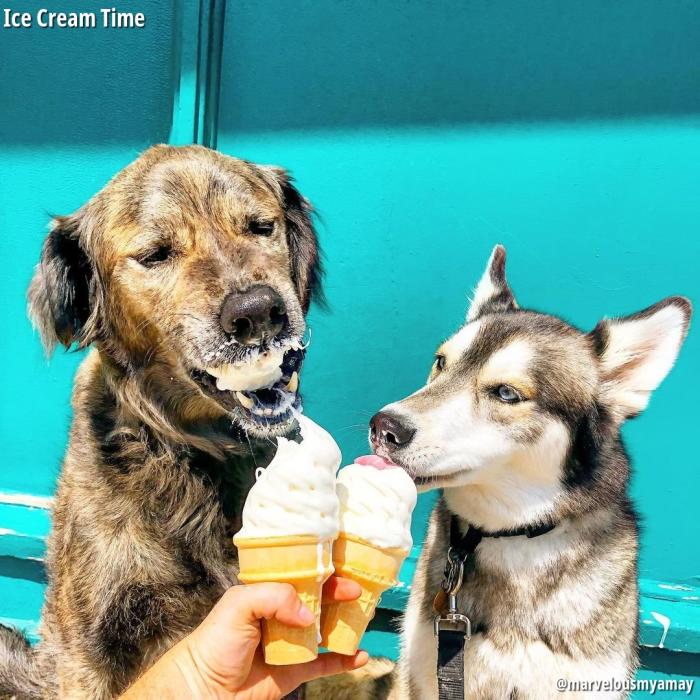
(376, 502)
(295, 494)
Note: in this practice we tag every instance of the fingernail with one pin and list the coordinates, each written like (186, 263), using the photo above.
(305, 615)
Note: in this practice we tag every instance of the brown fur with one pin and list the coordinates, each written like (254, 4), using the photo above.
(373, 682)
(156, 471)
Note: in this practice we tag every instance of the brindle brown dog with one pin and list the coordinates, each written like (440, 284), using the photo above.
(186, 260)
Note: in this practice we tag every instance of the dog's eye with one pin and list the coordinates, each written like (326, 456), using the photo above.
(158, 255)
(261, 228)
(439, 363)
(507, 394)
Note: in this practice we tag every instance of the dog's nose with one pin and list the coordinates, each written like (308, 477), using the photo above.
(254, 315)
(390, 431)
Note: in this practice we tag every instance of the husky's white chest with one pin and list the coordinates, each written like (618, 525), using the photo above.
(537, 635)
(525, 671)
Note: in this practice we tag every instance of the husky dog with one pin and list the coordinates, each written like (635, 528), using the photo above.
(519, 425)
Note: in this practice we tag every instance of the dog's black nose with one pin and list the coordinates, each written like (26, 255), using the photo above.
(255, 315)
(390, 431)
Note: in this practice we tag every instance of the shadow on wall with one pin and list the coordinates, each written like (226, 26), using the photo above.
(358, 63)
(87, 86)
(354, 63)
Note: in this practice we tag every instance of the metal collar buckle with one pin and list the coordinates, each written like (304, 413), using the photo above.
(453, 620)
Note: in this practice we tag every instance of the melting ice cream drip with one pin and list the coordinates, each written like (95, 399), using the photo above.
(321, 575)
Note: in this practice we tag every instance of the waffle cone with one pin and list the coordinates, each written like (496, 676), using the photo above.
(375, 569)
(305, 562)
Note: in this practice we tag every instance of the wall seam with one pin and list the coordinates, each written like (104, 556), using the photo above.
(198, 36)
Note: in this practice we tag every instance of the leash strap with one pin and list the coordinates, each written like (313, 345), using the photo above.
(450, 665)
(452, 628)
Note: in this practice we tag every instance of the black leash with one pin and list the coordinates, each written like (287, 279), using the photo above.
(452, 628)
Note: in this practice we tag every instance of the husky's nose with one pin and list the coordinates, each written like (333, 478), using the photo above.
(390, 431)
(254, 315)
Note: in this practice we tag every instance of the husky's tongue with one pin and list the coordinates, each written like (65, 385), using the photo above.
(375, 461)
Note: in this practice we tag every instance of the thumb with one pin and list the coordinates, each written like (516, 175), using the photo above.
(224, 644)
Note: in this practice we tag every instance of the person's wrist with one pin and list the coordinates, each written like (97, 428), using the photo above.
(197, 680)
(175, 675)
(202, 678)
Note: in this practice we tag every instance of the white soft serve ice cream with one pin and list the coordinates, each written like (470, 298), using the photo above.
(295, 494)
(261, 371)
(376, 502)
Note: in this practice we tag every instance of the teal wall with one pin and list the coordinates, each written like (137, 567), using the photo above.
(598, 218)
(425, 132)
(75, 107)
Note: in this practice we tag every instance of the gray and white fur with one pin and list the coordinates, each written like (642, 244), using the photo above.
(519, 424)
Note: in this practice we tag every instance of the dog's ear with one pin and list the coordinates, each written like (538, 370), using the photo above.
(61, 293)
(304, 250)
(637, 352)
(492, 294)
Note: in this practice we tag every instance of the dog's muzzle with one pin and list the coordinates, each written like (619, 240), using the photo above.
(263, 394)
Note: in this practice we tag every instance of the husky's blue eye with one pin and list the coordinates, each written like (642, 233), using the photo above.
(507, 394)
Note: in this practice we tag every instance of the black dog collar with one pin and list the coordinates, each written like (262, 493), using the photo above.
(466, 543)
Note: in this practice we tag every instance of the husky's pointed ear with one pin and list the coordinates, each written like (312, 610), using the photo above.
(59, 296)
(304, 250)
(492, 294)
(637, 352)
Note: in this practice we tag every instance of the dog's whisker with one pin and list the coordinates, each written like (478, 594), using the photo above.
(250, 447)
(354, 428)
(189, 315)
(149, 354)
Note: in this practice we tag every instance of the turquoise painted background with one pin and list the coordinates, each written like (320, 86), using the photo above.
(598, 219)
(75, 107)
(424, 132)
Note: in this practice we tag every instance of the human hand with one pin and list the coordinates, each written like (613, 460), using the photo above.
(222, 658)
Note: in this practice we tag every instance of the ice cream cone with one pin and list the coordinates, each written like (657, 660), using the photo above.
(375, 569)
(305, 562)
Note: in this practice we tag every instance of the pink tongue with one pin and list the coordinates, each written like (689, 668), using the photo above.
(374, 461)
